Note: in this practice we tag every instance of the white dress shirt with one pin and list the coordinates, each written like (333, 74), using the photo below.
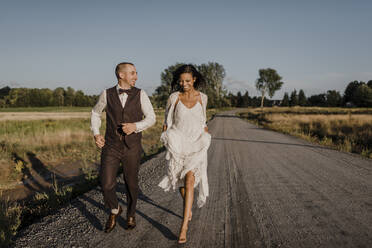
(146, 107)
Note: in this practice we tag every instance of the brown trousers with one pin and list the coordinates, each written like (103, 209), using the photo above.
(111, 157)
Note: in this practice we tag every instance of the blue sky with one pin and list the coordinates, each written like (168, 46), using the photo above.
(314, 45)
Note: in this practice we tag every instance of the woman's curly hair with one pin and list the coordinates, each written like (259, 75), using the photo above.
(188, 68)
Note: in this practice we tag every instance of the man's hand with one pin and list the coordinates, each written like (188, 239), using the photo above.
(128, 128)
(206, 129)
(100, 140)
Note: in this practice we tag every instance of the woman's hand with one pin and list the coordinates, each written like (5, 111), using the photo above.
(100, 140)
(206, 129)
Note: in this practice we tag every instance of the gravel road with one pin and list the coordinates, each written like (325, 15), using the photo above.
(266, 190)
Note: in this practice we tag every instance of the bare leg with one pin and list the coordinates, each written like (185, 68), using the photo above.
(189, 198)
(182, 192)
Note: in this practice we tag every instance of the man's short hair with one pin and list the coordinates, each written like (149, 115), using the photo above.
(121, 66)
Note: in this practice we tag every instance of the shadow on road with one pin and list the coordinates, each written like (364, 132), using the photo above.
(163, 229)
(167, 233)
(271, 142)
(150, 201)
(81, 206)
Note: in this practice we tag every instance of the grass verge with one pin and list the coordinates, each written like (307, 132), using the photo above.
(348, 130)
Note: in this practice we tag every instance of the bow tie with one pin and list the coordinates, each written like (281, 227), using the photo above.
(128, 91)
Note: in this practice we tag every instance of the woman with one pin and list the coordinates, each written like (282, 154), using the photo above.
(186, 138)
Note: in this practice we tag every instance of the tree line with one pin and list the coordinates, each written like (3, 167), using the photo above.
(356, 94)
(32, 97)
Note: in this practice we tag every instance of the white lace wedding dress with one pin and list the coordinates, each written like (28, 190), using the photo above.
(187, 144)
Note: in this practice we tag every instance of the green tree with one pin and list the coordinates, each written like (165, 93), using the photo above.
(285, 101)
(18, 97)
(69, 96)
(350, 90)
(246, 99)
(317, 100)
(4, 92)
(268, 82)
(80, 100)
(59, 96)
(2, 103)
(45, 98)
(369, 84)
(162, 92)
(213, 74)
(256, 101)
(334, 98)
(363, 96)
(232, 99)
(302, 101)
(293, 100)
(239, 100)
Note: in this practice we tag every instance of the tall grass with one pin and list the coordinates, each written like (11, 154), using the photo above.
(346, 130)
(151, 137)
(49, 140)
(10, 214)
(310, 110)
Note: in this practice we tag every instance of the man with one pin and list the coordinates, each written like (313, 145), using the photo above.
(125, 107)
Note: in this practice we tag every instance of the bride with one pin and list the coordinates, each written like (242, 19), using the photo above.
(186, 138)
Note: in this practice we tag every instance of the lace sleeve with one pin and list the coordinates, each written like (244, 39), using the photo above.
(168, 115)
(95, 122)
(167, 107)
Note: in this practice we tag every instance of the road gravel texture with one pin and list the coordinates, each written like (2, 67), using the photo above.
(266, 190)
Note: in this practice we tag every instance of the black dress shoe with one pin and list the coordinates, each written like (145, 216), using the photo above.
(131, 223)
(111, 222)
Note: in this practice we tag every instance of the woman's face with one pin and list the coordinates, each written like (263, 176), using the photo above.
(187, 81)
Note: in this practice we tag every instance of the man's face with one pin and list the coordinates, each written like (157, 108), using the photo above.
(129, 75)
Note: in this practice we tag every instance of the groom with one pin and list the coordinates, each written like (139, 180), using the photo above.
(125, 106)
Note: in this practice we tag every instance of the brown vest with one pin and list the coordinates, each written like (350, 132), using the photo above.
(116, 114)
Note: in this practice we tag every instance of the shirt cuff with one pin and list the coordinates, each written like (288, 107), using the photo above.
(139, 127)
(95, 132)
